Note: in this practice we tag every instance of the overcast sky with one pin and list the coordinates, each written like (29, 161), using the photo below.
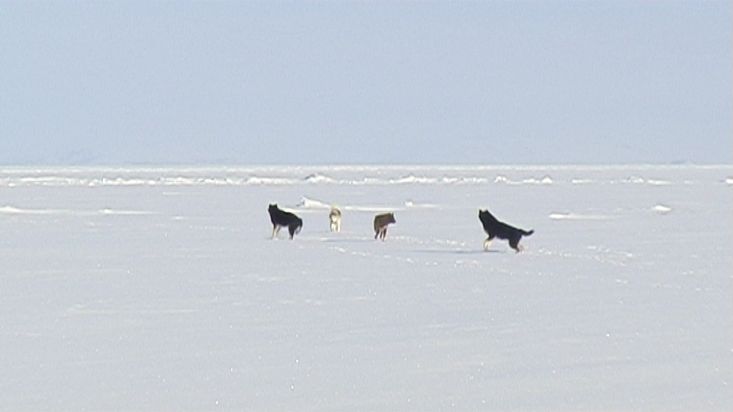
(366, 82)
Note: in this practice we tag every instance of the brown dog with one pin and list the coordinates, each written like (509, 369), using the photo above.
(380, 224)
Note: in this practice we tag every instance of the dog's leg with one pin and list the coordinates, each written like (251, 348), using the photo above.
(487, 243)
(274, 231)
(384, 233)
(514, 243)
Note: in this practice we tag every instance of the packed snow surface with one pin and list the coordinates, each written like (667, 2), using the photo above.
(160, 289)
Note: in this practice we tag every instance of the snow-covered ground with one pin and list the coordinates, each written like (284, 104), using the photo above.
(159, 289)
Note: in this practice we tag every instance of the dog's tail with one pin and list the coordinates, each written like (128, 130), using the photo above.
(527, 233)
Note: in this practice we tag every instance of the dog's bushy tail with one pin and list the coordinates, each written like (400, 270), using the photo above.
(300, 226)
(527, 233)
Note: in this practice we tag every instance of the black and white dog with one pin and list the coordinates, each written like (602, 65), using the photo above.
(495, 228)
(281, 218)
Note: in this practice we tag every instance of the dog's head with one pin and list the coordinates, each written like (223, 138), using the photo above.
(485, 216)
(272, 207)
(390, 218)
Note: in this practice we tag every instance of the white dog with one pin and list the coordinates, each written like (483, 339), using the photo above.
(335, 218)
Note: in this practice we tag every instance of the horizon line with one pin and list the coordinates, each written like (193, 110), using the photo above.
(154, 165)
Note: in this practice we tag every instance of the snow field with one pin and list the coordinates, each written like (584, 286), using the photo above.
(172, 296)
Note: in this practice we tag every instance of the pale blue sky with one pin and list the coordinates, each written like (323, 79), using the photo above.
(366, 82)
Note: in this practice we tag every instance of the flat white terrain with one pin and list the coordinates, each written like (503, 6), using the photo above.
(160, 289)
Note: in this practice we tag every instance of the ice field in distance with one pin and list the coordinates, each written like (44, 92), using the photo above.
(155, 289)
